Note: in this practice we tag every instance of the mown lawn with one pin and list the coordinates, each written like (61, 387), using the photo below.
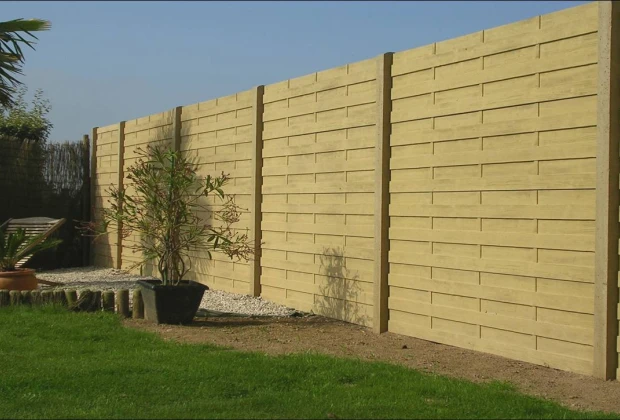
(56, 364)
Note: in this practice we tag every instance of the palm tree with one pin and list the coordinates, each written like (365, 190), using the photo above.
(12, 56)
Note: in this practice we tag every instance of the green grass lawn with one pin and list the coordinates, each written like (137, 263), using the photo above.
(60, 364)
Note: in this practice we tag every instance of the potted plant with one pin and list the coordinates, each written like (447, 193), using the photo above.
(14, 247)
(164, 210)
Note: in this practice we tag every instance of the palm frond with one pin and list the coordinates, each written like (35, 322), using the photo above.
(17, 245)
(11, 55)
(25, 25)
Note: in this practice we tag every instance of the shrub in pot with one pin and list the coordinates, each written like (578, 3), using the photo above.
(167, 209)
(15, 246)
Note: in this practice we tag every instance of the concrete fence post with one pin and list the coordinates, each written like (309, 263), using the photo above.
(119, 184)
(176, 128)
(607, 171)
(256, 193)
(93, 189)
(382, 196)
(86, 194)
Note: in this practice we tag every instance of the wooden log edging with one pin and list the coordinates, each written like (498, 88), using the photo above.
(4, 298)
(35, 297)
(122, 303)
(71, 296)
(46, 296)
(107, 300)
(26, 297)
(15, 297)
(59, 297)
(138, 305)
(83, 301)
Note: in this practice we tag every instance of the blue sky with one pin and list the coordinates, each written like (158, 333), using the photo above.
(103, 62)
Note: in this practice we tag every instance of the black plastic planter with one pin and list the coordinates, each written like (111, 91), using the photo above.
(171, 304)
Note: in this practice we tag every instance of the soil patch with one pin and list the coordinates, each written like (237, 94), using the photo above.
(329, 336)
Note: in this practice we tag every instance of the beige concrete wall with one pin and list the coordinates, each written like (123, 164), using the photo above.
(492, 193)
(318, 180)
(217, 135)
(155, 129)
(104, 249)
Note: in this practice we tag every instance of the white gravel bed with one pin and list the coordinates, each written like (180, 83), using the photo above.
(96, 278)
(217, 300)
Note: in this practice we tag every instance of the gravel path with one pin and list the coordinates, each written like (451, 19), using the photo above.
(96, 278)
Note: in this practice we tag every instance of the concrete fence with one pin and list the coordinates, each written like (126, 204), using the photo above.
(465, 192)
